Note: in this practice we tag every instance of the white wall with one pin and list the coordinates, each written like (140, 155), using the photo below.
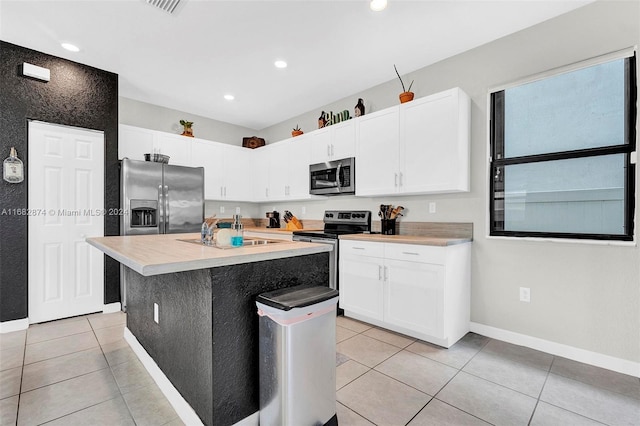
(148, 116)
(582, 295)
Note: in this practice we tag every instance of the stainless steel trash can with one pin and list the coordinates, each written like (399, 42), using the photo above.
(297, 352)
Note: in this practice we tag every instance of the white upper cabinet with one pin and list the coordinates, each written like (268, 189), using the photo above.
(434, 148)
(225, 170)
(334, 142)
(260, 170)
(287, 176)
(208, 155)
(237, 173)
(134, 142)
(177, 147)
(415, 148)
(378, 153)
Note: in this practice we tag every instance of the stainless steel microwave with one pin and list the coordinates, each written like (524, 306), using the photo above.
(333, 177)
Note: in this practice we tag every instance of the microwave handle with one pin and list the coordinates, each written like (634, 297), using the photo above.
(338, 174)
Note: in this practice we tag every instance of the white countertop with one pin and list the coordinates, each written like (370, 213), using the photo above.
(407, 239)
(161, 254)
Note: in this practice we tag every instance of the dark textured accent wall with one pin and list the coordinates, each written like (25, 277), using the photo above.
(77, 95)
(206, 340)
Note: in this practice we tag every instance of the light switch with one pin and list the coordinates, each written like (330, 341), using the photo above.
(432, 207)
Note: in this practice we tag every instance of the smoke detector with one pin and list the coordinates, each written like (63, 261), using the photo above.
(166, 5)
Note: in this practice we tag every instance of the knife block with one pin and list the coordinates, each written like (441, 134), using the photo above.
(293, 224)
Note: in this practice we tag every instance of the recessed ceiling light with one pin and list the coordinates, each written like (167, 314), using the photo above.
(70, 47)
(229, 97)
(280, 64)
(378, 5)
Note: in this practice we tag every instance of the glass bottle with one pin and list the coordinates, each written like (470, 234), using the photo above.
(237, 235)
(12, 168)
(359, 109)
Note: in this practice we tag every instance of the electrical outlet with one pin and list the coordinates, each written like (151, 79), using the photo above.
(221, 209)
(525, 294)
(432, 207)
(156, 313)
(237, 210)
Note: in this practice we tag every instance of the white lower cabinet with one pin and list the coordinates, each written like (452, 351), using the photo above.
(420, 291)
(364, 294)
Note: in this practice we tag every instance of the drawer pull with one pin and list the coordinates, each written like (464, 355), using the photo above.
(358, 248)
(410, 252)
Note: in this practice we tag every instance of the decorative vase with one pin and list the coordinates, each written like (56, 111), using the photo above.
(359, 109)
(296, 133)
(406, 97)
(188, 131)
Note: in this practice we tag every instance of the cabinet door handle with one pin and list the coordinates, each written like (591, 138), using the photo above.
(410, 252)
(379, 272)
(358, 248)
(400, 178)
(266, 192)
(332, 150)
(396, 179)
(225, 191)
(221, 192)
(386, 273)
(328, 150)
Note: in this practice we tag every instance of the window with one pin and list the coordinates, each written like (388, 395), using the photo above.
(561, 152)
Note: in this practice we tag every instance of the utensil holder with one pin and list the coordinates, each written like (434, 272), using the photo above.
(388, 226)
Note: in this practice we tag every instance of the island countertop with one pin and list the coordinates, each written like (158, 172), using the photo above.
(161, 254)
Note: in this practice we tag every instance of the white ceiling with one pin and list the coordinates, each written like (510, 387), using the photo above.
(190, 59)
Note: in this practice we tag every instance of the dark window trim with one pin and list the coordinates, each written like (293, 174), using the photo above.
(497, 161)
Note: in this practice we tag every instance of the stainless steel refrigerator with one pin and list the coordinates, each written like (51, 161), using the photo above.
(159, 198)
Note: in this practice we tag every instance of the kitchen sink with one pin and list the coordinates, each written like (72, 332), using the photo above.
(247, 242)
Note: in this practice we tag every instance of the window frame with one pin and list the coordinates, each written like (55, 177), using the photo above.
(628, 148)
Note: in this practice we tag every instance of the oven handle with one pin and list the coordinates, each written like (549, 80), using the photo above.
(323, 241)
(315, 240)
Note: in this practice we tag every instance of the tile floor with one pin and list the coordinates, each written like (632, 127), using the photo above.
(77, 371)
(384, 378)
(80, 371)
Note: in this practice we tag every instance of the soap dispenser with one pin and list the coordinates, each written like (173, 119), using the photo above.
(237, 236)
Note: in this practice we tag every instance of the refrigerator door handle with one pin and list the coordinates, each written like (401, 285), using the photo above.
(161, 212)
(166, 209)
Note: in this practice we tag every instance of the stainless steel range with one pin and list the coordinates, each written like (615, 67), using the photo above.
(336, 223)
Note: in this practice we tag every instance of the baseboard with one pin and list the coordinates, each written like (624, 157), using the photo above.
(111, 308)
(592, 358)
(15, 325)
(182, 407)
(252, 420)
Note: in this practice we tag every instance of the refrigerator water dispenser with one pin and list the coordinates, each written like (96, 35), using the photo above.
(144, 213)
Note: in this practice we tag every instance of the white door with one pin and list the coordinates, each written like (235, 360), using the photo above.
(66, 202)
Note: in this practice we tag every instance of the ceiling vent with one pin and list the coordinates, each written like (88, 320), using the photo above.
(166, 5)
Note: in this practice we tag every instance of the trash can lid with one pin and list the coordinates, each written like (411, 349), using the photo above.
(297, 297)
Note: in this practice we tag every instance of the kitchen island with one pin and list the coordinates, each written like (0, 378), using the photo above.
(203, 334)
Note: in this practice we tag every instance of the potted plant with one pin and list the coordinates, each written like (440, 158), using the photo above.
(296, 131)
(407, 94)
(188, 131)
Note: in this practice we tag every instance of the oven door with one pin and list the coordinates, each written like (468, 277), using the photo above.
(332, 177)
(333, 255)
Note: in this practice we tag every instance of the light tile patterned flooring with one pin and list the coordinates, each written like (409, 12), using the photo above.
(80, 371)
(384, 378)
(77, 371)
